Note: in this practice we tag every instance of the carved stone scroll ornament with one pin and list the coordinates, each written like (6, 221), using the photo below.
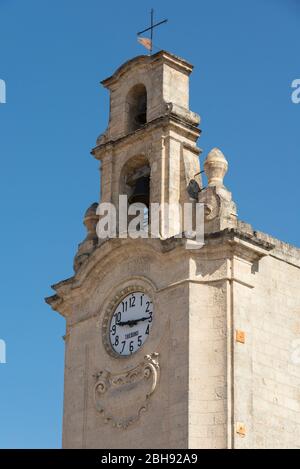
(212, 204)
(122, 397)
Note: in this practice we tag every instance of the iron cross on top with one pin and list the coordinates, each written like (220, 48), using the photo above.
(149, 44)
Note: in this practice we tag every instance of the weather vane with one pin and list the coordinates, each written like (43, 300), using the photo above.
(145, 41)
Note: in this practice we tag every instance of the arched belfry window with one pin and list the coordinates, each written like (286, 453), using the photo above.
(136, 107)
(135, 180)
(135, 183)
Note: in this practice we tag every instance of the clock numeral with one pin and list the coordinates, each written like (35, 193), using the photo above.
(132, 302)
(117, 317)
(117, 340)
(150, 317)
(148, 303)
(124, 306)
(147, 330)
(142, 298)
(123, 342)
(131, 346)
(139, 340)
(113, 330)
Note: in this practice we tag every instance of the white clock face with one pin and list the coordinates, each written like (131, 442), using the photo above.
(131, 323)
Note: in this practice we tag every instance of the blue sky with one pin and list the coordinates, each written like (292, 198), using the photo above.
(53, 53)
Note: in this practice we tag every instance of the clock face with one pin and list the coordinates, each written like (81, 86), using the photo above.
(131, 322)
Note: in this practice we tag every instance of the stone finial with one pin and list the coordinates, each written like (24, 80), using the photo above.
(90, 221)
(215, 167)
(220, 209)
(85, 248)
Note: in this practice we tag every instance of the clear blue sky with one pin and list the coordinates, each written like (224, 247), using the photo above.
(53, 53)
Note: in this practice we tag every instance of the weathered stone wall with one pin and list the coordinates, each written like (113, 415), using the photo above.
(215, 390)
(267, 379)
(207, 366)
(165, 423)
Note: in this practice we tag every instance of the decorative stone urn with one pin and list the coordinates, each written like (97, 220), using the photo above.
(215, 167)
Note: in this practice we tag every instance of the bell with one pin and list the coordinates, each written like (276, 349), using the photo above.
(141, 191)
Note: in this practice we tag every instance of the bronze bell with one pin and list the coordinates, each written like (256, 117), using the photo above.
(141, 191)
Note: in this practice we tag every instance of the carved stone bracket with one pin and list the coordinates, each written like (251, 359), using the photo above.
(122, 397)
(212, 203)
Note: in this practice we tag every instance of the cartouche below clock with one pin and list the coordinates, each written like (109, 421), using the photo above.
(131, 323)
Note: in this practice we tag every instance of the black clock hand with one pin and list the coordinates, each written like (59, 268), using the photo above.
(132, 322)
(126, 323)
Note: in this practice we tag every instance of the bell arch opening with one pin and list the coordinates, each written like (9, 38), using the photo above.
(135, 183)
(136, 108)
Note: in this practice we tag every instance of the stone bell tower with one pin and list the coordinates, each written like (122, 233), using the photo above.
(151, 132)
(167, 346)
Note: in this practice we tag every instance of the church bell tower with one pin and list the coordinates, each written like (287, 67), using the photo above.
(160, 336)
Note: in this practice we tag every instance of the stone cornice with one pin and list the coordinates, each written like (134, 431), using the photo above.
(102, 257)
(179, 124)
(226, 243)
(234, 236)
(161, 56)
